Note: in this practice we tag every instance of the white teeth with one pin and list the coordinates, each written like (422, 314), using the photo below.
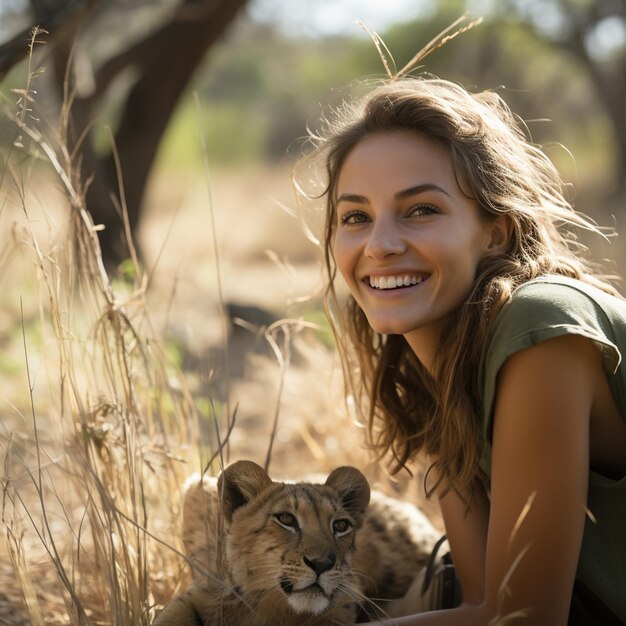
(391, 282)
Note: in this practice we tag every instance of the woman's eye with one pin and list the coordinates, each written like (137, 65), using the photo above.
(354, 217)
(286, 519)
(341, 526)
(422, 209)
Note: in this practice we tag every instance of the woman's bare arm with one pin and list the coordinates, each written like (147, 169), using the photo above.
(538, 492)
(466, 527)
(539, 478)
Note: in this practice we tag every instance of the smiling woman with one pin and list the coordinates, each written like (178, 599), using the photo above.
(402, 218)
(484, 341)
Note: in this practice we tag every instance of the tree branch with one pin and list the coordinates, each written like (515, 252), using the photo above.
(14, 50)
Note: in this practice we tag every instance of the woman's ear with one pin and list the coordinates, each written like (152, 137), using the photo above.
(499, 235)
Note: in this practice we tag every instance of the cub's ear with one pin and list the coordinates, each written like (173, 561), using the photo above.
(239, 483)
(352, 488)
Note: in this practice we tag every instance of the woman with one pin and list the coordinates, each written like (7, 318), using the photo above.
(483, 340)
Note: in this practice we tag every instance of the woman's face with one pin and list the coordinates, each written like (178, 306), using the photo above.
(406, 240)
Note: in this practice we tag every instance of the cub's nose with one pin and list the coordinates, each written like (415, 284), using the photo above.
(323, 564)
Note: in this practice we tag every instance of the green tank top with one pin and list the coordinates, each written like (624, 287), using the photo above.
(551, 306)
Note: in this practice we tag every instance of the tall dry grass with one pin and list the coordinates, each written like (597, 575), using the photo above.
(101, 425)
(80, 483)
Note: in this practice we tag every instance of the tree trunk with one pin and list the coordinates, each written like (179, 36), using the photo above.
(165, 62)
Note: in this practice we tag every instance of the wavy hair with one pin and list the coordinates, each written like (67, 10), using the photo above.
(410, 409)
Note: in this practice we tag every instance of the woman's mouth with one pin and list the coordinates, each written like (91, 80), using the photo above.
(396, 282)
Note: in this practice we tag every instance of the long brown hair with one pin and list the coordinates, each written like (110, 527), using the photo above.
(408, 408)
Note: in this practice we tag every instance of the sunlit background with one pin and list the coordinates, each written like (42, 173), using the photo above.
(188, 117)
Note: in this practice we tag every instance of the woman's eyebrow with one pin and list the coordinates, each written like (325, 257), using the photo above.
(414, 191)
(404, 193)
(352, 197)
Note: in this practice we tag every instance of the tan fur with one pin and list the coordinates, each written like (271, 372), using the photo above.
(250, 569)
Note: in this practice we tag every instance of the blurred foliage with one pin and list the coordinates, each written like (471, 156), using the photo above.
(261, 88)
(316, 315)
(262, 85)
(560, 64)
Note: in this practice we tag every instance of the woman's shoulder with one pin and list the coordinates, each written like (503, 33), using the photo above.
(557, 300)
(552, 306)
(563, 294)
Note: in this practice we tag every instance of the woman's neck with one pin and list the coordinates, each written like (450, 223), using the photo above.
(425, 342)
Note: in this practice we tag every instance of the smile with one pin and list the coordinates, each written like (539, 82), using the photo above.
(395, 282)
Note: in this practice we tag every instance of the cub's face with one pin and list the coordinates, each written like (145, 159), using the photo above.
(293, 542)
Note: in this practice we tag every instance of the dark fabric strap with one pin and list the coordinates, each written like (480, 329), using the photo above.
(430, 567)
(443, 569)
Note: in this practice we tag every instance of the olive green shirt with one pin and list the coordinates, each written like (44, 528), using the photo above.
(552, 306)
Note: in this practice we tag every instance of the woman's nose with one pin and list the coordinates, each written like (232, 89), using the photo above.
(384, 240)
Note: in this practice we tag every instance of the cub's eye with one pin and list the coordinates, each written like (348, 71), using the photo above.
(288, 520)
(342, 526)
(354, 217)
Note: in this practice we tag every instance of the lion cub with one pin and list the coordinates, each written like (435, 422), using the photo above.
(267, 553)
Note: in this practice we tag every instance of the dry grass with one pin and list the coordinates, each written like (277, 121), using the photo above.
(83, 466)
(102, 425)
(115, 392)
